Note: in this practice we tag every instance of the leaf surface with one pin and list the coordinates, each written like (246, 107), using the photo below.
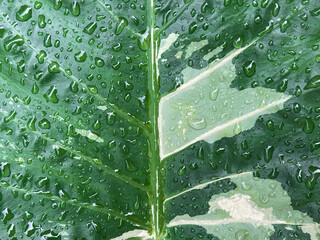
(177, 119)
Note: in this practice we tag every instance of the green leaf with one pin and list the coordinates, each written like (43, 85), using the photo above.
(159, 119)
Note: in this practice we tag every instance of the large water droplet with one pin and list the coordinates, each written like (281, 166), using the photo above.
(197, 123)
(238, 41)
(314, 82)
(268, 153)
(75, 8)
(308, 126)
(80, 56)
(44, 124)
(24, 13)
(122, 23)
(89, 29)
(51, 95)
(214, 94)
(249, 68)
(5, 169)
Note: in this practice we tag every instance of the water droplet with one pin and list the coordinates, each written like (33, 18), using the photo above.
(284, 25)
(193, 27)
(214, 94)
(197, 123)
(41, 56)
(117, 47)
(63, 195)
(268, 153)
(18, 40)
(5, 169)
(75, 8)
(57, 4)
(47, 40)
(11, 230)
(122, 23)
(42, 21)
(111, 117)
(276, 10)
(144, 40)
(44, 124)
(315, 12)
(249, 68)
(93, 89)
(182, 170)
(99, 62)
(10, 117)
(308, 126)
(90, 28)
(54, 67)
(42, 181)
(237, 128)
(242, 234)
(7, 215)
(130, 166)
(227, 2)
(313, 83)
(238, 41)
(51, 95)
(35, 89)
(80, 56)
(31, 124)
(24, 13)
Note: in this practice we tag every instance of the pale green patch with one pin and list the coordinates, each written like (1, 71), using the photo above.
(212, 53)
(166, 43)
(90, 135)
(195, 46)
(136, 234)
(178, 54)
(103, 108)
(206, 108)
(250, 211)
